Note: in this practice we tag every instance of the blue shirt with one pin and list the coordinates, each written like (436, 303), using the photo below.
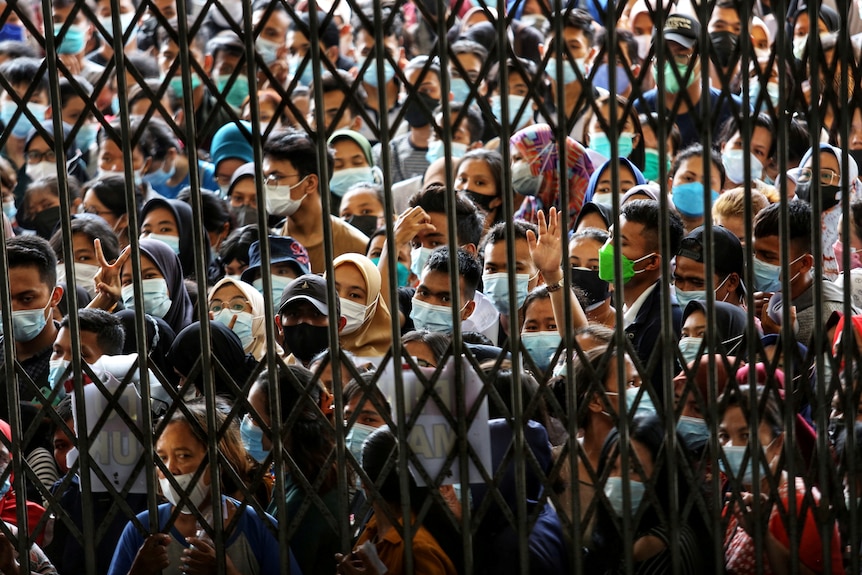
(206, 172)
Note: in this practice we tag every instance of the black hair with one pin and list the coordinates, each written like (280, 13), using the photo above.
(498, 233)
(768, 408)
(327, 31)
(526, 69)
(768, 221)
(109, 330)
(626, 38)
(647, 213)
(225, 41)
(157, 139)
(856, 215)
(297, 148)
(214, 209)
(470, 114)
(696, 151)
(469, 268)
(580, 20)
(365, 386)
(393, 20)
(733, 125)
(436, 341)
(493, 160)
(469, 219)
(145, 64)
(356, 100)
(25, 71)
(594, 234)
(529, 388)
(93, 227)
(15, 50)
(111, 191)
(464, 46)
(538, 293)
(32, 250)
(69, 91)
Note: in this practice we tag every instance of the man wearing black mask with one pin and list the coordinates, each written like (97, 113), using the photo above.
(724, 29)
(303, 318)
(407, 152)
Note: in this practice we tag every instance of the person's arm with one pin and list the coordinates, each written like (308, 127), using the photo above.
(546, 249)
(109, 288)
(407, 226)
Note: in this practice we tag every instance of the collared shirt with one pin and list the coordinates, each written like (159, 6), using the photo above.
(428, 556)
(630, 313)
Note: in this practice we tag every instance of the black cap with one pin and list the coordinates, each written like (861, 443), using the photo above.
(726, 248)
(281, 249)
(681, 29)
(308, 287)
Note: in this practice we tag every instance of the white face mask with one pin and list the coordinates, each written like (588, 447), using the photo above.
(278, 200)
(41, 170)
(355, 314)
(197, 495)
(85, 275)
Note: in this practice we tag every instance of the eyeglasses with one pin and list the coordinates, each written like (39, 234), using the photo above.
(35, 156)
(275, 179)
(827, 177)
(94, 211)
(235, 305)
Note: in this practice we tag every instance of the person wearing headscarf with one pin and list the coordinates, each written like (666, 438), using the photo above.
(629, 177)
(225, 347)
(174, 305)
(535, 172)
(160, 336)
(729, 328)
(830, 197)
(249, 324)
(182, 243)
(368, 332)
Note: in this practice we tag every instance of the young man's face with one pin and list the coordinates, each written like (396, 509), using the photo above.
(91, 351)
(30, 292)
(435, 289)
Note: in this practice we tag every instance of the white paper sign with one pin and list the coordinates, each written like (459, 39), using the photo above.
(115, 449)
(432, 437)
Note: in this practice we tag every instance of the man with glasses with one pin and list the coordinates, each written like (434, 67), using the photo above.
(682, 81)
(292, 190)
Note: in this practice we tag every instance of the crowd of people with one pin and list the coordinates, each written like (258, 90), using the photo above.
(632, 217)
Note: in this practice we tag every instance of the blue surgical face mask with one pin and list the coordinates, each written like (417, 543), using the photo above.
(370, 76)
(86, 136)
(57, 374)
(418, 257)
(735, 454)
(10, 210)
(161, 177)
(688, 199)
(156, 300)
(601, 78)
(306, 76)
(13, 32)
(497, 290)
(614, 492)
(767, 277)
(356, 437)
(690, 348)
(74, 41)
(436, 150)
(569, 74)
(22, 126)
(515, 103)
(27, 323)
(172, 242)
(644, 406)
(343, 179)
(459, 89)
(267, 49)
(241, 326)
(431, 317)
(541, 345)
(402, 271)
(734, 166)
(278, 285)
(252, 439)
(602, 144)
(693, 431)
(683, 297)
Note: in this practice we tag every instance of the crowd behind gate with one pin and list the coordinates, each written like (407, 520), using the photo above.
(657, 213)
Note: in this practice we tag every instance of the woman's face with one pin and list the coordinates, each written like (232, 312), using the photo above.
(694, 325)
(229, 297)
(539, 316)
(614, 387)
(475, 176)
(180, 450)
(422, 352)
(584, 253)
(83, 251)
(160, 221)
(348, 154)
(149, 271)
(92, 205)
(733, 431)
(350, 284)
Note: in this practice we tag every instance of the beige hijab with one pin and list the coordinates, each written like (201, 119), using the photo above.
(374, 337)
(257, 347)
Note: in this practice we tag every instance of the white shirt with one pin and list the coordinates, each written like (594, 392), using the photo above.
(630, 313)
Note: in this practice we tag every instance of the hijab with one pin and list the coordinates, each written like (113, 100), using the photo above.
(183, 217)
(160, 336)
(374, 337)
(640, 179)
(179, 315)
(257, 347)
(537, 145)
(186, 352)
(730, 324)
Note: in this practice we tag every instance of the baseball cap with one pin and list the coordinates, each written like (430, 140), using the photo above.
(282, 249)
(726, 249)
(681, 29)
(308, 287)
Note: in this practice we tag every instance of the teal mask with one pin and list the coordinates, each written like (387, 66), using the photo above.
(403, 273)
